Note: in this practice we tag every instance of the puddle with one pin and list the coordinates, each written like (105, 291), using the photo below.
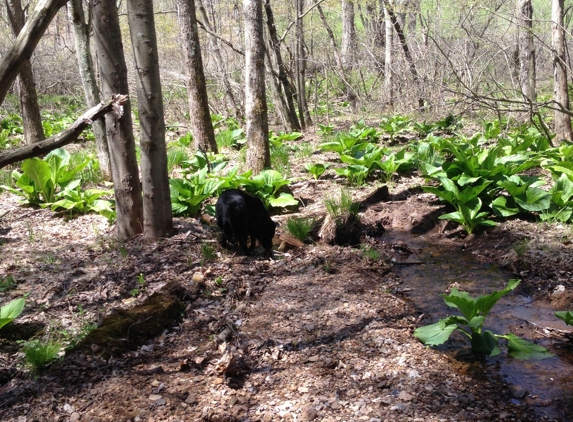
(427, 273)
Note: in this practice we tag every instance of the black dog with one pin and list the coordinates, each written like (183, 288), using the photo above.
(240, 215)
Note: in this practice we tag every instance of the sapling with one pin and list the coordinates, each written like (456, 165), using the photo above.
(474, 312)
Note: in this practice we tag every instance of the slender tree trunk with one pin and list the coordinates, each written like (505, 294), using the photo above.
(526, 49)
(337, 58)
(113, 70)
(215, 48)
(405, 49)
(349, 42)
(157, 215)
(201, 124)
(388, 77)
(32, 121)
(258, 153)
(304, 114)
(26, 42)
(91, 91)
(291, 118)
(560, 93)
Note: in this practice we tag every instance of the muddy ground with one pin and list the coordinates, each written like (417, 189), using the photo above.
(321, 332)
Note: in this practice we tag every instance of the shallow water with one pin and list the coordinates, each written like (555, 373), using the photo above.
(429, 271)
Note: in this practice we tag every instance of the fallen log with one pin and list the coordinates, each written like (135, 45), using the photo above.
(67, 136)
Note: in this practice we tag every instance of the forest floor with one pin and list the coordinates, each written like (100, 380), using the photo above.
(321, 332)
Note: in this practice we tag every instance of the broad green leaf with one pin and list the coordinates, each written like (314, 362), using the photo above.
(523, 349)
(476, 322)
(566, 316)
(11, 311)
(485, 303)
(502, 206)
(284, 200)
(485, 343)
(434, 334)
(463, 302)
(535, 200)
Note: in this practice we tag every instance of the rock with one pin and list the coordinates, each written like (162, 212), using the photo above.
(302, 389)
(191, 399)
(308, 412)
(75, 417)
(517, 392)
(154, 397)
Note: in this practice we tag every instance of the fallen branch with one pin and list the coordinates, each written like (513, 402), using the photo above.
(67, 136)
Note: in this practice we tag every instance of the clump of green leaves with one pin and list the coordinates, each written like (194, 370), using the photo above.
(299, 227)
(316, 169)
(566, 316)
(11, 311)
(474, 311)
(38, 354)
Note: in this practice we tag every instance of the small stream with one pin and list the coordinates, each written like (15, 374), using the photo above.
(432, 268)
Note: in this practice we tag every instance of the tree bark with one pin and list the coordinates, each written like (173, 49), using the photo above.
(349, 42)
(115, 104)
(201, 124)
(560, 93)
(214, 42)
(405, 49)
(157, 214)
(257, 127)
(91, 91)
(290, 115)
(32, 121)
(388, 77)
(26, 42)
(300, 64)
(526, 49)
(127, 187)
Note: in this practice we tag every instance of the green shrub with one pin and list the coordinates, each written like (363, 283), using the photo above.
(299, 227)
(38, 354)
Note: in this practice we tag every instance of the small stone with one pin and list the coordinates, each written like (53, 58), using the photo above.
(517, 392)
(308, 412)
(154, 397)
(155, 383)
(302, 389)
(198, 278)
(75, 417)
(405, 396)
(191, 399)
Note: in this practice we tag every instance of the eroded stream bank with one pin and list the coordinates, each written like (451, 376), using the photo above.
(428, 270)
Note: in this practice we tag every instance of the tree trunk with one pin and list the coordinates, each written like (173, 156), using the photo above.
(388, 77)
(349, 42)
(526, 49)
(560, 94)
(405, 48)
(157, 215)
(65, 137)
(258, 154)
(26, 42)
(91, 91)
(127, 187)
(290, 111)
(31, 119)
(214, 42)
(300, 64)
(201, 124)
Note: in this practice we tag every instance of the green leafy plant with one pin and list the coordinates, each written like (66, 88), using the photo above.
(299, 227)
(566, 316)
(394, 125)
(11, 311)
(73, 198)
(41, 179)
(316, 169)
(369, 253)
(39, 354)
(188, 194)
(466, 202)
(208, 252)
(474, 311)
(267, 185)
